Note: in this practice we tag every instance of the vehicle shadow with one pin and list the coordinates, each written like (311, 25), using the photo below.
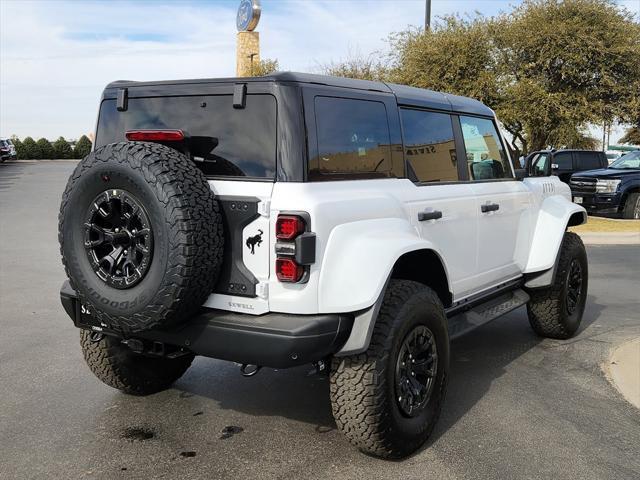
(477, 359)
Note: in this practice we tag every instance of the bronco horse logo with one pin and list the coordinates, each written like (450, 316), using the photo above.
(255, 241)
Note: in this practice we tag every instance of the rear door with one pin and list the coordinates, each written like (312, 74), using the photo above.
(502, 204)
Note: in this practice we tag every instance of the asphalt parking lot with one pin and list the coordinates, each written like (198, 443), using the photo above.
(517, 406)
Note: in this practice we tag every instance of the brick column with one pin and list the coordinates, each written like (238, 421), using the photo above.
(247, 48)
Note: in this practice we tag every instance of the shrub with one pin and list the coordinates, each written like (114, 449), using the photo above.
(29, 149)
(18, 144)
(83, 147)
(45, 149)
(62, 149)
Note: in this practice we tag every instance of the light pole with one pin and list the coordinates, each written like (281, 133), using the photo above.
(427, 15)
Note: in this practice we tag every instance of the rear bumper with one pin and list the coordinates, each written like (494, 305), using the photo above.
(272, 340)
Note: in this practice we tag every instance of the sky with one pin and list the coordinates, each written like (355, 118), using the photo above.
(56, 56)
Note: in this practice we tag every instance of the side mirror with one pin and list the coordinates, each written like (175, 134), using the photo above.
(521, 173)
(539, 167)
(554, 166)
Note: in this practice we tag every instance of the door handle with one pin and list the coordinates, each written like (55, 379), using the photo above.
(489, 207)
(434, 215)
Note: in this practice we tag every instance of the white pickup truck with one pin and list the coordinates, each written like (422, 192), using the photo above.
(355, 225)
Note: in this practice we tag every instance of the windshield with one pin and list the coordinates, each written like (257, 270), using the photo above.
(630, 160)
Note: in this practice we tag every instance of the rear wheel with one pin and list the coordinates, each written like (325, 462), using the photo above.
(631, 208)
(118, 366)
(387, 400)
(556, 311)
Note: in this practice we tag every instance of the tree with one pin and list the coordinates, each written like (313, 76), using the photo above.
(549, 68)
(29, 149)
(631, 136)
(564, 64)
(83, 147)
(264, 67)
(369, 67)
(62, 149)
(45, 149)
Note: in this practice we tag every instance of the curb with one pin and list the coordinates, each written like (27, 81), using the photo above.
(610, 238)
(623, 370)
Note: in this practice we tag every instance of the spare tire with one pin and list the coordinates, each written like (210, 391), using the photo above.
(141, 236)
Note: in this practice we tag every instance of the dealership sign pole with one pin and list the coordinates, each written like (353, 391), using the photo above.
(248, 40)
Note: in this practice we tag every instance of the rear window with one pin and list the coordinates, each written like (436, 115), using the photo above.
(232, 142)
(353, 137)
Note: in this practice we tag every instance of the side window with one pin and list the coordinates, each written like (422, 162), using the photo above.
(430, 150)
(353, 138)
(589, 161)
(486, 157)
(562, 161)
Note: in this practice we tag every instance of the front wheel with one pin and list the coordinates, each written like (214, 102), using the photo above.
(632, 207)
(556, 311)
(387, 400)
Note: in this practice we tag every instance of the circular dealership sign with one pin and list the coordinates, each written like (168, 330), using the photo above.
(248, 15)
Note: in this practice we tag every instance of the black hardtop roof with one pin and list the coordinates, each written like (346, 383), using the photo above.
(410, 96)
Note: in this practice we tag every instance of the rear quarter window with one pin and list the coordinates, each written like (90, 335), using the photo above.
(353, 139)
(244, 140)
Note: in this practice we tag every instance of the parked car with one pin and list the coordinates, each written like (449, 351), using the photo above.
(7, 150)
(565, 163)
(613, 191)
(299, 219)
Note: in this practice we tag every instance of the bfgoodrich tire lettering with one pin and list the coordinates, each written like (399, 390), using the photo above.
(364, 395)
(556, 311)
(187, 235)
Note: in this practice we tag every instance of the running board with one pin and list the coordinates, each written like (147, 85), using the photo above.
(485, 312)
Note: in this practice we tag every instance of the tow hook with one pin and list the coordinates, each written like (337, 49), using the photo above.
(319, 368)
(95, 337)
(249, 370)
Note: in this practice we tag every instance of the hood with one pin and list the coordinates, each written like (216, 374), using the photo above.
(608, 173)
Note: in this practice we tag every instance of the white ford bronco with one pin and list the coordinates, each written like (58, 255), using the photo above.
(301, 219)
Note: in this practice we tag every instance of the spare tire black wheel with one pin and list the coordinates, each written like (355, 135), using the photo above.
(141, 236)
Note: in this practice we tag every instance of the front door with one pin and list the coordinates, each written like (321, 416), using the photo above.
(502, 204)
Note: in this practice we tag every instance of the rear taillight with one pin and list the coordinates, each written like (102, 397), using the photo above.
(288, 227)
(155, 135)
(287, 270)
(295, 248)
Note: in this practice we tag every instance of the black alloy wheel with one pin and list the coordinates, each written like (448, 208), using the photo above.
(574, 286)
(416, 368)
(118, 238)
